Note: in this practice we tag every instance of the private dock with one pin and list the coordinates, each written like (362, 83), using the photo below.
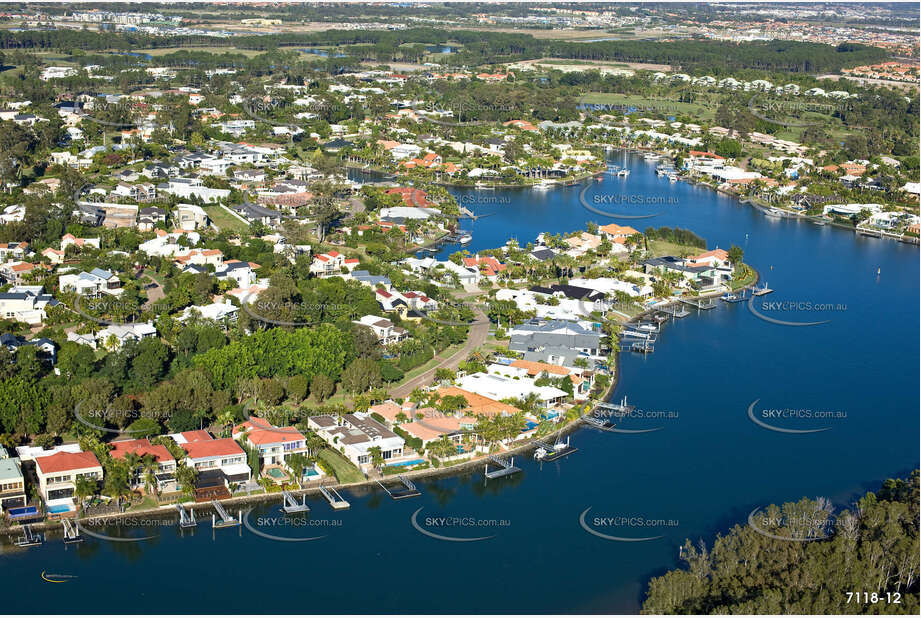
(703, 303)
(676, 311)
(762, 290)
(408, 489)
(186, 518)
(642, 347)
(615, 409)
(226, 520)
(71, 532)
(506, 467)
(334, 498)
(291, 505)
(548, 452)
(597, 423)
(29, 538)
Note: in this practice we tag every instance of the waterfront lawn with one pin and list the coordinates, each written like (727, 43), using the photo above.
(343, 469)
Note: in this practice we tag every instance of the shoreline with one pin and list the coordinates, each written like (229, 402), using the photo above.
(427, 473)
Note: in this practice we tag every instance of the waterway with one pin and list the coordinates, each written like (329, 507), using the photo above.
(706, 468)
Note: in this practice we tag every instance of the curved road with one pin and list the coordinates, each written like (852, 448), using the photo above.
(476, 336)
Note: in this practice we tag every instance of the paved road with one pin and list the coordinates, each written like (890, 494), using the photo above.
(475, 338)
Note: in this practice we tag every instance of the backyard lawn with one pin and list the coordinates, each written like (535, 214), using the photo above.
(343, 469)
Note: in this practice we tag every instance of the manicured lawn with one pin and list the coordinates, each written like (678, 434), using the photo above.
(224, 220)
(343, 469)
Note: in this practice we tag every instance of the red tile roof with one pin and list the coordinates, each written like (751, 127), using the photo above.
(62, 462)
(212, 448)
(140, 448)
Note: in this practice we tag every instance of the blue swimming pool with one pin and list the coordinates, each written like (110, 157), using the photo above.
(59, 508)
(414, 462)
(22, 511)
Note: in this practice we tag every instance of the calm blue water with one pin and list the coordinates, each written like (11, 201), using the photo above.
(704, 471)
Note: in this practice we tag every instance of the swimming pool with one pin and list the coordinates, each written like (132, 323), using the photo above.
(414, 462)
(59, 508)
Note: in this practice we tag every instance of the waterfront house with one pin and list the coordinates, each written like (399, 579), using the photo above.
(57, 476)
(219, 461)
(275, 444)
(506, 382)
(12, 482)
(477, 404)
(354, 435)
(164, 464)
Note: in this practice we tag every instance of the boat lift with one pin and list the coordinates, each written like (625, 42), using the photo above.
(226, 520)
(29, 538)
(548, 452)
(507, 467)
(334, 498)
(71, 532)
(409, 489)
(186, 518)
(291, 505)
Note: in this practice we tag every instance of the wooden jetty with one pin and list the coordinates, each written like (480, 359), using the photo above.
(291, 505)
(506, 467)
(676, 311)
(334, 498)
(642, 347)
(762, 290)
(407, 489)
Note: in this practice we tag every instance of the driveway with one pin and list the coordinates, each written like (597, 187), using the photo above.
(476, 336)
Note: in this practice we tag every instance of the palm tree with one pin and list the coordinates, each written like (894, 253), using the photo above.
(149, 464)
(377, 457)
(84, 487)
(297, 462)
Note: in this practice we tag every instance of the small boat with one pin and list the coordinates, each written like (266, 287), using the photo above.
(623, 173)
(819, 221)
(482, 186)
(464, 239)
(673, 177)
(651, 156)
(732, 298)
(774, 212)
(541, 453)
(544, 185)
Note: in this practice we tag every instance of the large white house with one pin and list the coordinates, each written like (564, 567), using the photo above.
(57, 476)
(355, 435)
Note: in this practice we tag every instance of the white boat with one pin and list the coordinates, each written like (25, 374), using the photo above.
(673, 177)
(464, 239)
(482, 186)
(773, 212)
(651, 156)
(624, 172)
(540, 453)
(544, 185)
